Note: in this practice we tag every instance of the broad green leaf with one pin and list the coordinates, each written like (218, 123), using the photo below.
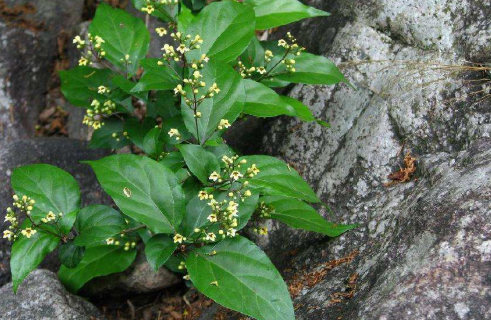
(163, 105)
(70, 254)
(124, 35)
(143, 189)
(52, 188)
(197, 212)
(66, 223)
(97, 223)
(136, 130)
(156, 77)
(103, 137)
(153, 145)
(173, 161)
(298, 214)
(194, 5)
(127, 85)
(27, 254)
(310, 68)
(276, 178)
(228, 104)
(242, 278)
(191, 187)
(199, 161)
(98, 261)
(186, 16)
(159, 249)
(253, 56)
(262, 101)
(226, 27)
(79, 85)
(271, 14)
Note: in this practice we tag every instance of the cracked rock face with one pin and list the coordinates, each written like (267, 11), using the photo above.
(424, 246)
(43, 297)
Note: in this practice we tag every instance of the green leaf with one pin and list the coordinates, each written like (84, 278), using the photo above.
(310, 68)
(200, 162)
(242, 278)
(298, 214)
(97, 223)
(156, 77)
(272, 14)
(276, 178)
(163, 105)
(123, 35)
(194, 5)
(97, 261)
(262, 101)
(253, 56)
(70, 254)
(228, 104)
(164, 12)
(153, 145)
(226, 27)
(174, 161)
(137, 131)
(52, 188)
(185, 18)
(127, 85)
(27, 254)
(103, 138)
(143, 189)
(79, 85)
(159, 249)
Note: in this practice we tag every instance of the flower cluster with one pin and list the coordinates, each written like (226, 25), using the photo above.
(223, 219)
(117, 240)
(24, 205)
(292, 49)
(186, 43)
(263, 212)
(95, 114)
(152, 5)
(94, 46)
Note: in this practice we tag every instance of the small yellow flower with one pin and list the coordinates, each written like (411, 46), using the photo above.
(110, 241)
(212, 218)
(236, 175)
(203, 195)
(210, 236)
(8, 235)
(179, 238)
(28, 232)
(102, 90)
(50, 216)
(224, 124)
(83, 62)
(149, 9)
(214, 176)
(161, 31)
(174, 133)
(263, 231)
(261, 70)
(247, 193)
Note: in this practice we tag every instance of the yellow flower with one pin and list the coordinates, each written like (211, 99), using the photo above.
(174, 132)
(161, 31)
(8, 235)
(212, 217)
(236, 175)
(203, 195)
(223, 124)
(28, 232)
(179, 238)
(247, 193)
(50, 216)
(102, 90)
(110, 241)
(214, 176)
(210, 237)
(83, 62)
(261, 70)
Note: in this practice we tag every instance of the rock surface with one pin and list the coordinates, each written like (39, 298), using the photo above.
(424, 247)
(61, 152)
(28, 49)
(43, 297)
(139, 278)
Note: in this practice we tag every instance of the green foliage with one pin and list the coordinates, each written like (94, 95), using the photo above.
(239, 276)
(184, 194)
(98, 261)
(271, 14)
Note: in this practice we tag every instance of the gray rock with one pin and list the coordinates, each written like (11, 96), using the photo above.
(43, 297)
(139, 278)
(424, 246)
(61, 152)
(28, 48)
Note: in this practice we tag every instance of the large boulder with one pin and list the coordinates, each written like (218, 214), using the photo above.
(423, 249)
(43, 297)
(61, 152)
(29, 31)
